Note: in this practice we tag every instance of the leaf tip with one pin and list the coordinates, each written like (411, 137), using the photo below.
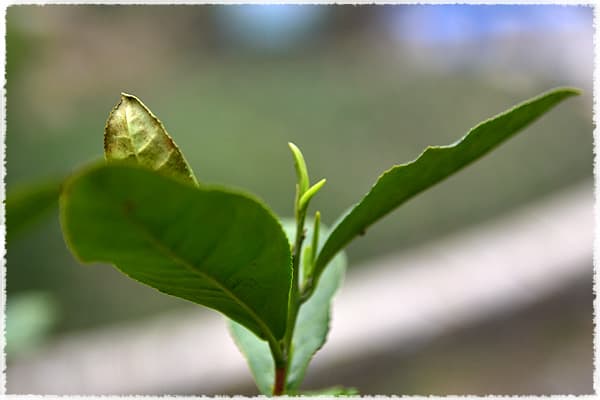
(127, 97)
(310, 193)
(567, 91)
(573, 89)
(301, 170)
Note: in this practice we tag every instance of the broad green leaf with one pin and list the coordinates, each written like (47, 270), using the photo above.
(29, 204)
(214, 247)
(402, 182)
(132, 132)
(311, 328)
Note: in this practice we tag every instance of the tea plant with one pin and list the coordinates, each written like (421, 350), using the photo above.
(144, 211)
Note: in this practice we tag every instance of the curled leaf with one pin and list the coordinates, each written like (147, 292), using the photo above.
(132, 132)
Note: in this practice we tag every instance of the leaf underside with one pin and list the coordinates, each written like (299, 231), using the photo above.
(402, 182)
(214, 247)
(311, 328)
(257, 355)
(133, 133)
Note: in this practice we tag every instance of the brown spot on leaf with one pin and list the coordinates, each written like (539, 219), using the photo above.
(128, 206)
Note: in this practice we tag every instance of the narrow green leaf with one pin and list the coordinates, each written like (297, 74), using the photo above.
(310, 333)
(315, 239)
(214, 247)
(301, 170)
(310, 193)
(307, 257)
(29, 204)
(402, 182)
(132, 132)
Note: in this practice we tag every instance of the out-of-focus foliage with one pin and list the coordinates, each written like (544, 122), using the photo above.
(30, 316)
(29, 204)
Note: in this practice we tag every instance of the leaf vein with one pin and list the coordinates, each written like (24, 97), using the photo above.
(186, 264)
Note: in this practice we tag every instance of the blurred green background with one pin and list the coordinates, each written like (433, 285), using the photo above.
(358, 89)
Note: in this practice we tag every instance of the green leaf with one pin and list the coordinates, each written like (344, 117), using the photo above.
(313, 321)
(258, 356)
(311, 328)
(132, 132)
(310, 193)
(402, 182)
(301, 170)
(215, 247)
(29, 204)
(316, 229)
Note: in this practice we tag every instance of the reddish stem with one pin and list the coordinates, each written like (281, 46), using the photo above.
(279, 381)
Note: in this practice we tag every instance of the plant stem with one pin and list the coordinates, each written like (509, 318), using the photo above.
(294, 305)
(303, 195)
(295, 295)
(279, 387)
(280, 368)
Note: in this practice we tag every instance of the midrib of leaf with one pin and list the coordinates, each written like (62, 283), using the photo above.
(190, 267)
(128, 136)
(137, 151)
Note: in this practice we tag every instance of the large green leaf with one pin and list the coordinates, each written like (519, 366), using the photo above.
(311, 328)
(132, 132)
(215, 247)
(402, 182)
(29, 204)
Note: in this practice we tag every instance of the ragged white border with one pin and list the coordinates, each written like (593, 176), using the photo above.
(596, 88)
(596, 193)
(149, 2)
(3, 197)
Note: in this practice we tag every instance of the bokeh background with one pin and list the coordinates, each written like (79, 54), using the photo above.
(358, 89)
